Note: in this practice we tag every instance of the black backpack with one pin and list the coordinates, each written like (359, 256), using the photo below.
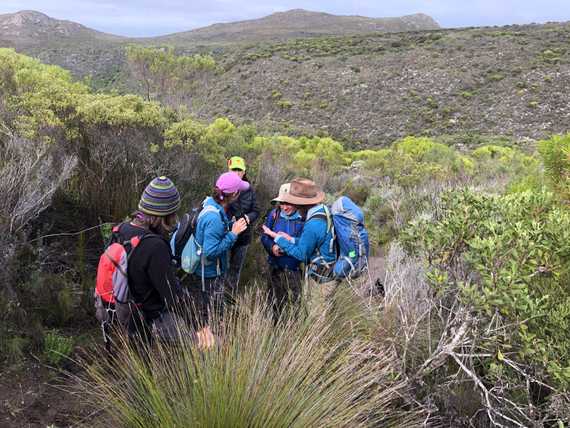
(186, 228)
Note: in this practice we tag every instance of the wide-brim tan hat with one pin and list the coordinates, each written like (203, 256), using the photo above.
(283, 190)
(302, 191)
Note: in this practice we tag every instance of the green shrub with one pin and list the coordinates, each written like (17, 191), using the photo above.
(12, 348)
(57, 348)
(510, 258)
(284, 104)
(304, 371)
(492, 160)
(555, 153)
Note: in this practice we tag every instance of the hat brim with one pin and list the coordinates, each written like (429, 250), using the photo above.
(243, 186)
(276, 200)
(296, 200)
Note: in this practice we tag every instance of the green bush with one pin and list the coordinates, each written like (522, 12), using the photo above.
(12, 348)
(510, 258)
(301, 372)
(57, 348)
(555, 153)
(493, 161)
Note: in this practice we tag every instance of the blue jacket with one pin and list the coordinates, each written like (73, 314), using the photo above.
(214, 236)
(315, 240)
(278, 221)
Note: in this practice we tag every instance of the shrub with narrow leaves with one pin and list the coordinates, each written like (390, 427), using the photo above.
(302, 372)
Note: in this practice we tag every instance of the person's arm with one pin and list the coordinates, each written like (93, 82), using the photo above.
(303, 248)
(217, 240)
(267, 241)
(160, 273)
(253, 213)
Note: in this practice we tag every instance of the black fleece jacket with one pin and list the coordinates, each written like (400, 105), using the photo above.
(152, 282)
(245, 205)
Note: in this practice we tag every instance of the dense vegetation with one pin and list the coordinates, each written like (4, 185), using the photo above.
(370, 88)
(473, 328)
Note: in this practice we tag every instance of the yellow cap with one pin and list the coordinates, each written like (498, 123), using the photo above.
(236, 163)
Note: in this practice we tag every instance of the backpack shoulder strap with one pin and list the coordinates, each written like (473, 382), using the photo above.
(326, 215)
(274, 216)
(209, 209)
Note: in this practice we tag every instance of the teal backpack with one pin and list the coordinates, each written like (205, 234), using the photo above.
(186, 251)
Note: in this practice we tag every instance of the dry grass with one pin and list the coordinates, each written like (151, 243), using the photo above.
(303, 372)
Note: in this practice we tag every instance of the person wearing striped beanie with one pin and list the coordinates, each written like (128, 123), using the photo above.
(160, 198)
(152, 282)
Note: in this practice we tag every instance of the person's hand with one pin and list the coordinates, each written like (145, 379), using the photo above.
(276, 251)
(286, 236)
(269, 232)
(239, 226)
(205, 338)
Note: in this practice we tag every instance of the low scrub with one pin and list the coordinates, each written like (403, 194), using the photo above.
(300, 372)
(506, 260)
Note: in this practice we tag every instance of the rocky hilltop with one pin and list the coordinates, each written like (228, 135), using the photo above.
(29, 27)
(299, 23)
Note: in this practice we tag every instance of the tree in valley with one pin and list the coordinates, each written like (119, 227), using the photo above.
(165, 76)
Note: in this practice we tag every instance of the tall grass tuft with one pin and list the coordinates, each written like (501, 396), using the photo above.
(298, 372)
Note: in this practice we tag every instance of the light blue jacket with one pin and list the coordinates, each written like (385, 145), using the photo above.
(315, 240)
(214, 236)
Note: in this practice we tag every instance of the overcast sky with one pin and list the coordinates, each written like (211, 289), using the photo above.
(156, 17)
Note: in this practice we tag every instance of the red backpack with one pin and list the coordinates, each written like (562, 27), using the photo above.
(112, 296)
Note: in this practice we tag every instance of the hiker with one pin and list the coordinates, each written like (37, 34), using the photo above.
(315, 246)
(152, 283)
(285, 278)
(215, 235)
(244, 207)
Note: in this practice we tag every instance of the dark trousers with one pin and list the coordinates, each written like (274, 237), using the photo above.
(140, 332)
(285, 289)
(203, 302)
(237, 259)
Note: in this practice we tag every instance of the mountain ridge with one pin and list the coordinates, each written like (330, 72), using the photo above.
(301, 22)
(29, 27)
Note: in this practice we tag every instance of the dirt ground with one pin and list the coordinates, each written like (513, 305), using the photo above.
(35, 395)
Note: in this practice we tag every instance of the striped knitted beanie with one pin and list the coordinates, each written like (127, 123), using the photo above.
(160, 198)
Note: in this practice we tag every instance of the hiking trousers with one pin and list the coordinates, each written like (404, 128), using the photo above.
(237, 260)
(203, 304)
(140, 331)
(285, 287)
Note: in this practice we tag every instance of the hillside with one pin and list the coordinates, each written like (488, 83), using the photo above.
(29, 28)
(87, 52)
(297, 23)
(508, 81)
(370, 88)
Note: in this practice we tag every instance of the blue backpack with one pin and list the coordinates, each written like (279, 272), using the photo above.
(345, 220)
(351, 239)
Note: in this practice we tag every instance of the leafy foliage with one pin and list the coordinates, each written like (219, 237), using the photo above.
(555, 153)
(57, 348)
(510, 257)
(162, 74)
